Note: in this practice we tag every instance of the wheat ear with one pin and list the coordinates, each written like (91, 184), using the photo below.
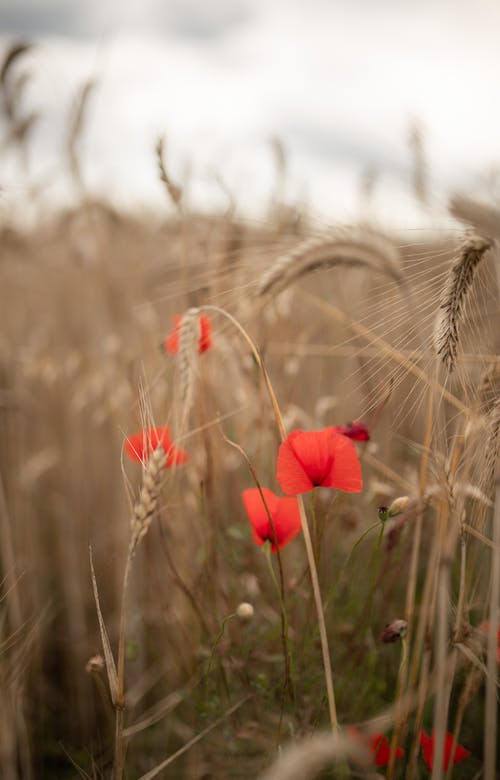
(142, 516)
(352, 246)
(188, 358)
(455, 296)
(145, 506)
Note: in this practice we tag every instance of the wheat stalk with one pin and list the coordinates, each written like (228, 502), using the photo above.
(174, 191)
(141, 520)
(455, 296)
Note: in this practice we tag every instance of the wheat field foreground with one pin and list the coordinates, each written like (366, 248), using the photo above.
(249, 497)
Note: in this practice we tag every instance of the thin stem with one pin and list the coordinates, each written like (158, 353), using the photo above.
(258, 360)
(399, 724)
(461, 591)
(373, 582)
(364, 620)
(441, 640)
(215, 646)
(490, 705)
(120, 698)
(358, 542)
(281, 587)
(289, 685)
(404, 655)
(472, 684)
(315, 532)
(419, 715)
(321, 618)
(303, 517)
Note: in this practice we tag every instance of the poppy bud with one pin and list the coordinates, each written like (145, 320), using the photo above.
(394, 631)
(95, 664)
(383, 513)
(245, 611)
(398, 506)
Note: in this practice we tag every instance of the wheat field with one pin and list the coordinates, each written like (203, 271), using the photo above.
(144, 632)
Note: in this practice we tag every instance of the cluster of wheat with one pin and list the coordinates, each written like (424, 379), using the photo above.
(181, 650)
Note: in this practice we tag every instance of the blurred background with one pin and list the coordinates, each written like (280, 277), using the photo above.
(279, 118)
(354, 92)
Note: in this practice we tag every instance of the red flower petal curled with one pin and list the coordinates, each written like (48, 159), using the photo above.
(381, 749)
(284, 513)
(356, 430)
(140, 445)
(427, 745)
(205, 341)
(326, 458)
(171, 343)
(378, 745)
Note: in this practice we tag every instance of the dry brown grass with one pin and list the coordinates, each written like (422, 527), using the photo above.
(98, 293)
(311, 328)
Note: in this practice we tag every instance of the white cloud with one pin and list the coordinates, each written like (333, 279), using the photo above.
(339, 82)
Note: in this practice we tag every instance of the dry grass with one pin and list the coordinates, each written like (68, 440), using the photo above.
(309, 329)
(455, 297)
(76, 360)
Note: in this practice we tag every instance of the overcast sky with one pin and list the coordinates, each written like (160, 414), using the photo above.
(340, 83)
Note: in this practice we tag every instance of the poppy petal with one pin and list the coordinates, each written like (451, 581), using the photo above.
(291, 474)
(134, 446)
(318, 458)
(378, 745)
(287, 520)
(256, 511)
(355, 430)
(140, 445)
(284, 513)
(205, 341)
(171, 343)
(459, 754)
(345, 470)
(381, 749)
(427, 745)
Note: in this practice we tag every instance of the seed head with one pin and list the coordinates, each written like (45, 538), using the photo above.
(394, 631)
(398, 506)
(245, 611)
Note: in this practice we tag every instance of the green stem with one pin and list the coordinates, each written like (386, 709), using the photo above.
(315, 534)
(215, 645)
(303, 517)
(358, 542)
(373, 581)
(284, 622)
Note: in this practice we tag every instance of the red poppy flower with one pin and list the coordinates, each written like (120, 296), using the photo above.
(324, 458)
(355, 430)
(171, 343)
(284, 512)
(486, 627)
(378, 745)
(427, 745)
(140, 445)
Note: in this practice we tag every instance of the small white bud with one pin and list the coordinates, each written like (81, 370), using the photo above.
(398, 506)
(95, 664)
(245, 611)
